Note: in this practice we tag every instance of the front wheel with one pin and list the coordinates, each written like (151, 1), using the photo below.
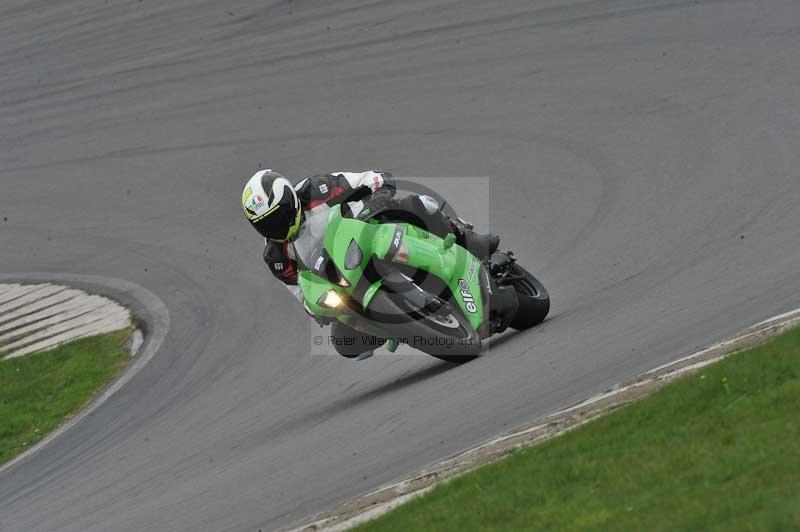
(443, 333)
(534, 301)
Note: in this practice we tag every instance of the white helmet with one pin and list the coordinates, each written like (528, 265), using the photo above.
(271, 205)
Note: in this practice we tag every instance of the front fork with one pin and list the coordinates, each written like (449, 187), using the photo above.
(502, 300)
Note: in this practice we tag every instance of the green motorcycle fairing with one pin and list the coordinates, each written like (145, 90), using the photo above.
(350, 244)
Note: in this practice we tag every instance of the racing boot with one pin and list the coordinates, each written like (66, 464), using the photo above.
(480, 245)
(427, 212)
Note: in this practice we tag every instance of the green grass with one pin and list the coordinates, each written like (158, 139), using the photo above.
(39, 392)
(718, 450)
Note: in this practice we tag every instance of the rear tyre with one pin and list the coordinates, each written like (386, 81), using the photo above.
(444, 333)
(534, 301)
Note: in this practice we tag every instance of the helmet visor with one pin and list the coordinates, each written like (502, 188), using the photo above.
(280, 219)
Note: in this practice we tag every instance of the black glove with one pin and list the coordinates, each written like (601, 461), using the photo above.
(322, 321)
(381, 200)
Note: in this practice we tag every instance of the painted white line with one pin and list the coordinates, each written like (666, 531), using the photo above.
(388, 497)
(663, 372)
(148, 309)
(55, 299)
(64, 307)
(36, 293)
(42, 320)
(42, 334)
(792, 316)
(14, 291)
(8, 300)
(67, 332)
(5, 288)
(78, 315)
(377, 511)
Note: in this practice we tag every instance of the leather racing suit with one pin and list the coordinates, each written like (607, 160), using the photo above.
(312, 192)
(376, 190)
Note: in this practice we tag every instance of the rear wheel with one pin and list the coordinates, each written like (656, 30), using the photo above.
(441, 332)
(534, 301)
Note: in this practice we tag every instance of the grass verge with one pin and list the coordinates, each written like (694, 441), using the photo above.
(38, 392)
(717, 450)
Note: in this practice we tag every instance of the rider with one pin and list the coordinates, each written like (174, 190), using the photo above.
(276, 209)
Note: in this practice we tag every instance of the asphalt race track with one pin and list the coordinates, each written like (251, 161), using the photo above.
(643, 160)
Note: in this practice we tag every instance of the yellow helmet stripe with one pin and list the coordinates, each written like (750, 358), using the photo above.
(246, 194)
(292, 230)
(266, 213)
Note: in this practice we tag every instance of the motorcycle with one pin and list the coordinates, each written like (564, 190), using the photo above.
(402, 284)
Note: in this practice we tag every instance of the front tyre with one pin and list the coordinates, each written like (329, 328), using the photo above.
(351, 343)
(534, 301)
(444, 333)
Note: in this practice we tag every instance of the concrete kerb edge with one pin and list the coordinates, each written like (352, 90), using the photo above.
(382, 500)
(151, 319)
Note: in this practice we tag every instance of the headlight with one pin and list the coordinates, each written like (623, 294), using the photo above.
(352, 258)
(329, 300)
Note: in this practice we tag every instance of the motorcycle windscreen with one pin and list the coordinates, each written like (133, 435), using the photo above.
(307, 245)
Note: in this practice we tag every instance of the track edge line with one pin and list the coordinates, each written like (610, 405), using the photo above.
(384, 499)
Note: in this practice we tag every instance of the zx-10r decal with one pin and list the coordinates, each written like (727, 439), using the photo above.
(396, 239)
